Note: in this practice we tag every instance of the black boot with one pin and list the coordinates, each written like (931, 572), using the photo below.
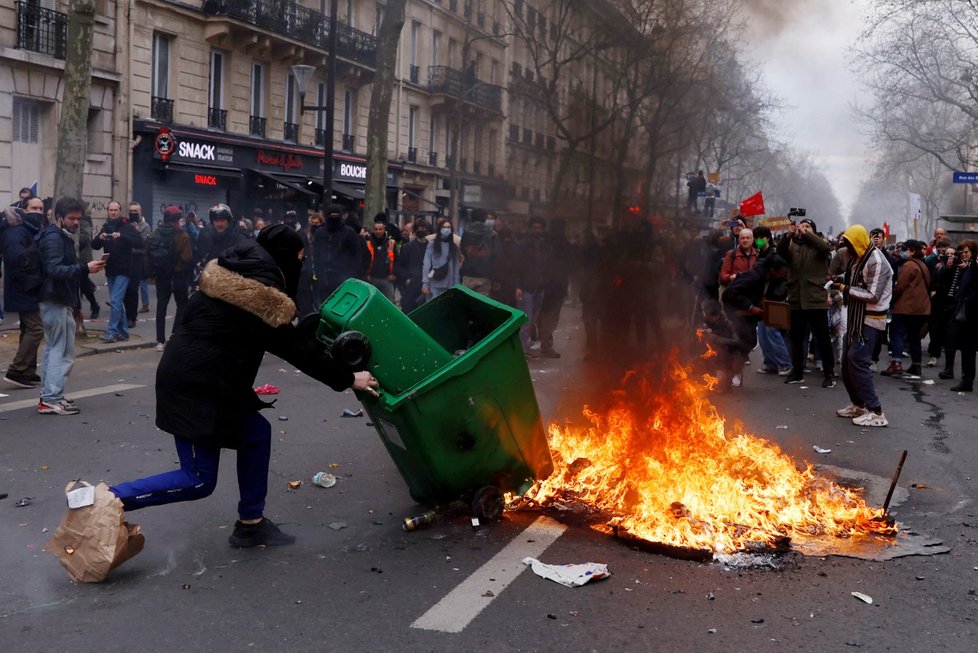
(946, 373)
(264, 533)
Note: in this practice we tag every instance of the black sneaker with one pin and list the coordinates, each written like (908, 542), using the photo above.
(93, 315)
(829, 382)
(549, 353)
(794, 378)
(264, 533)
(21, 380)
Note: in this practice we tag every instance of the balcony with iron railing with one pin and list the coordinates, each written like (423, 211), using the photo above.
(289, 20)
(320, 137)
(514, 133)
(41, 30)
(412, 154)
(414, 74)
(217, 118)
(451, 84)
(433, 158)
(290, 132)
(477, 167)
(161, 109)
(348, 142)
(256, 126)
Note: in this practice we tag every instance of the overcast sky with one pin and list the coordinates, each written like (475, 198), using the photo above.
(802, 49)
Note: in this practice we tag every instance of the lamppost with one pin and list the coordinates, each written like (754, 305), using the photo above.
(303, 73)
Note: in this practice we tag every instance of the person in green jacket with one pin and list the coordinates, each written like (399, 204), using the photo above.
(808, 256)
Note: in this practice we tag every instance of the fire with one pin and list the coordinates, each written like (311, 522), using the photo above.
(663, 466)
(710, 352)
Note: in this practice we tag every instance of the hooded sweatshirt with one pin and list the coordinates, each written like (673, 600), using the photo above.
(868, 288)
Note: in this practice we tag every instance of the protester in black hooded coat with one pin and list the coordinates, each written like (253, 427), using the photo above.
(204, 393)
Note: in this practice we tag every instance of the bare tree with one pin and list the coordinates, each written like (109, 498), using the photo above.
(73, 124)
(380, 107)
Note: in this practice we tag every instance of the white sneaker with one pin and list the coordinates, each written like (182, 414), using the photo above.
(873, 367)
(159, 346)
(852, 410)
(870, 419)
(932, 362)
(737, 380)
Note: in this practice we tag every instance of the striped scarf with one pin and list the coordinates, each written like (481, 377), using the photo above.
(856, 310)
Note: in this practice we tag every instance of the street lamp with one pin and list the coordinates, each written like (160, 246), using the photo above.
(303, 73)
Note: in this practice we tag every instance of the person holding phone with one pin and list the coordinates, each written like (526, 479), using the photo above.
(118, 238)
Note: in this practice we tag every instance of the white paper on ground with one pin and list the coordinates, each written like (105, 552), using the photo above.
(573, 575)
(81, 497)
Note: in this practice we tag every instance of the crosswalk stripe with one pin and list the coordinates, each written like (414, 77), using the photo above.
(79, 394)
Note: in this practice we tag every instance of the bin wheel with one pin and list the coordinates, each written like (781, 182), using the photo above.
(308, 326)
(487, 503)
(351, 348)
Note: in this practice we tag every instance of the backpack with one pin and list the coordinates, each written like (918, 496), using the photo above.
(161, 253)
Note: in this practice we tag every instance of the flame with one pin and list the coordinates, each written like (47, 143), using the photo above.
(662, 464)
(710, 351)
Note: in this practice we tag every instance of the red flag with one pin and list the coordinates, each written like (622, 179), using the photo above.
(753, 205)
(886, 230)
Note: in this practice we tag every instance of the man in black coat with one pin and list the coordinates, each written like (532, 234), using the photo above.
(204, 394)
(408, 266)
(118, 238)
(22, 281)
(336, 252)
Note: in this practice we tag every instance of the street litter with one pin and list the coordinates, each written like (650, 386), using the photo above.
(781, 426)
(267, 389)
(920, 486)
(819, 449)
(863, 597)
(352, 413)
(323, 479)
(23, 503)
(573, 575)
(928, 382)
(295, 485)
(337, 525)
(283, 418)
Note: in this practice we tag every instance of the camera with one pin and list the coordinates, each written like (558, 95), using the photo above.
(800, 213)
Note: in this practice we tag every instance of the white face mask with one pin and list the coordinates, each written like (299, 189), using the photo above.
(445, 232)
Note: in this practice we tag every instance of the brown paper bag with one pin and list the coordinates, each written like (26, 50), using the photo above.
(93, 540)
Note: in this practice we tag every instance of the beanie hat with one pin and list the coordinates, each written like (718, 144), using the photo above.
(172, 213)
(810, 222)
(283, 243)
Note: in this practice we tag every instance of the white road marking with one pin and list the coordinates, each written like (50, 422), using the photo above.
(464, 603)
(79, 394)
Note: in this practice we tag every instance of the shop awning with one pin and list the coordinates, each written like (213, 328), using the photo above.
(286, 183)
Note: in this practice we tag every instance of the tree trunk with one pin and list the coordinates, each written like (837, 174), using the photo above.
(380, 108)
(73, 126)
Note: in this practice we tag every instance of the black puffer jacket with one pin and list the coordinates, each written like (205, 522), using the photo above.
(205, 378)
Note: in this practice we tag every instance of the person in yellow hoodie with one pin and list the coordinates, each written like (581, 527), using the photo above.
(867, 289)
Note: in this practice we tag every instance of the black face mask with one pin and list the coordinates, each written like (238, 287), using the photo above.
(34, 219)
(333, 223)
(314, 227)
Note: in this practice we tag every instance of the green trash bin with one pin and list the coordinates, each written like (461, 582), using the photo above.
(470, 429)
(367, 331)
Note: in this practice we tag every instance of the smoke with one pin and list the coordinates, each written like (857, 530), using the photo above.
(767, 19)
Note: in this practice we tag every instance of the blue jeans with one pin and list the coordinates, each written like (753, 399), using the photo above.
(144, 291)
(118, 326)
(776, 356)
(197, 476)
(856, 375)
(531, 304)
(59, 350)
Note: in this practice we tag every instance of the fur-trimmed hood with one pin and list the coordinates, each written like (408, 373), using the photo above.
(269, 304)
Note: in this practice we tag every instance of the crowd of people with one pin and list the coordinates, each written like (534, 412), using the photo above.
(898, 294)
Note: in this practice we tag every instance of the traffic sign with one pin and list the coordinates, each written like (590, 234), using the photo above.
(966, 177)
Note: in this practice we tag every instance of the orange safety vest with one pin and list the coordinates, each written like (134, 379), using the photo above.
(390, 255)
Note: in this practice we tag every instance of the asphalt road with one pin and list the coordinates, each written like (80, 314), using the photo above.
(360, 588)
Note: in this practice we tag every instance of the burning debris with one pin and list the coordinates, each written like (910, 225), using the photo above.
(661, 471)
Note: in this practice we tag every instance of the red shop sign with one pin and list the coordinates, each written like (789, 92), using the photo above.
(280, 159)
(205, 180)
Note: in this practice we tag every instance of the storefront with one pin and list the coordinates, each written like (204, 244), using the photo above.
(202, 168)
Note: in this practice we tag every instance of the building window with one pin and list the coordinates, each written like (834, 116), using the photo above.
(161, 66)
(257, 90)
(348, 112)
(321, 121)
(290, 99)
(435, 47)
(412, 126)
(380, 19)
(216, 94)
(433, 135)
(415, 33)
(96, 135)
(27, 121)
